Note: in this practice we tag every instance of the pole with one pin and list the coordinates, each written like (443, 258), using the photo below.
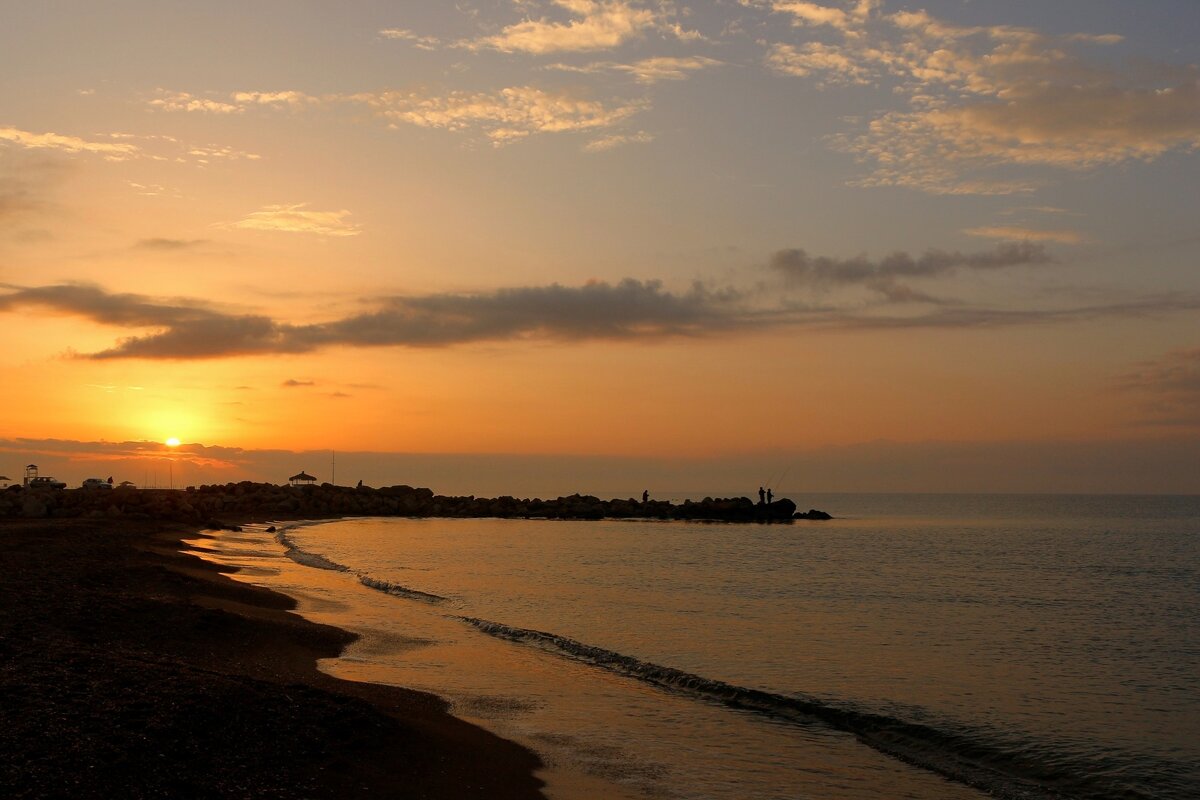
(333, 467)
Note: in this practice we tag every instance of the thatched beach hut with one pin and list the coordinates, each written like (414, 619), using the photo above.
(301, 478)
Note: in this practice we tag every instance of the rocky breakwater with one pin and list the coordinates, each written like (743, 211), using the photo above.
(247, 500)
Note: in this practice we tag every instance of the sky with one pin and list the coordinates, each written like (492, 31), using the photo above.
(543, 246)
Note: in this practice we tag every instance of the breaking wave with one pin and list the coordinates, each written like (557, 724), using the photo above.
(1028, 773)
(319, 561)
(397, 590)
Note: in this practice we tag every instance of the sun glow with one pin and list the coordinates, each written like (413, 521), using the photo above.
(173, 442)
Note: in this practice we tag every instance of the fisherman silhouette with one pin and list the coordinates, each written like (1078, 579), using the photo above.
(110, 480)
(762, 495)
(645, 496)
(768, 497)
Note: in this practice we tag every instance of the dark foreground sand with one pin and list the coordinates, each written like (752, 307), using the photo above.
(130, 670)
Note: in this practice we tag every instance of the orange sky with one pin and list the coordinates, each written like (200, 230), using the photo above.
(644, 230)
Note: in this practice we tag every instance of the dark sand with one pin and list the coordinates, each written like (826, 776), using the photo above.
(130, 670)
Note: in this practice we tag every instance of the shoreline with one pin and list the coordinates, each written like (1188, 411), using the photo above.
(132, 668)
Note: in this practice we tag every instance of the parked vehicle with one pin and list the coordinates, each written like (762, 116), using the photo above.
(45, 482)
(96, 483)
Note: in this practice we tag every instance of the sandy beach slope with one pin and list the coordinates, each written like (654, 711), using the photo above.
(128, 669)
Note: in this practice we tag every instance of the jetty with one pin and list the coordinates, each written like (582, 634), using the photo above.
(248, 500)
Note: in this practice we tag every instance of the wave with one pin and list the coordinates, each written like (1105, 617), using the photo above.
(304, 557)
(397, 590)
(1030, 773)
(309, 559)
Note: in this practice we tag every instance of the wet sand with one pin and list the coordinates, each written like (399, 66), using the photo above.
(129, 669)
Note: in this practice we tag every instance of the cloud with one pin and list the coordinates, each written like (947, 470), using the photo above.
(1070, 127)
(418, 41)
(185, 101)
(170, 245)
(1171, 386)
(112, 151)
(648, 70)
(297, 218)
(815, 14)
(630, 311)
(1011, 232)
(503, 116)
(815, 58)
(234, 102)
(289, 99)
(966, 317)
(292, 383)
(798, 266)
(155, 148)
(185, 329)
(616, 140)
(985, 101)
(593, 25)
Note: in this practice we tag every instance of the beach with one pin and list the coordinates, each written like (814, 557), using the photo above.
(130, 669)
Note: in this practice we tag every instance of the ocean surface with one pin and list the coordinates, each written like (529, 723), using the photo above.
(917, 646)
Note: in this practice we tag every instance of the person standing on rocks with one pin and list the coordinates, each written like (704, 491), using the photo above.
(762, 496)
(645, 497)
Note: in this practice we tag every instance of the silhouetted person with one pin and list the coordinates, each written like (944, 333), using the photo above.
(359, 485)
(768, 497)
(645, 497)
(762, 496)
(110, 480)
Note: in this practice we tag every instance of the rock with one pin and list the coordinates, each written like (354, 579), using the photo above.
(33, 507)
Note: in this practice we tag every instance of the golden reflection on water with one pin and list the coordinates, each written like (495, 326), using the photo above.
(600, 734)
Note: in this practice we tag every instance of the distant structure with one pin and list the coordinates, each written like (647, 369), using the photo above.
(301, 478)
(4, 481)
(31, 472)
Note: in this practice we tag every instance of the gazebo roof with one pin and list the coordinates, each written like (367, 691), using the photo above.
(302, 476)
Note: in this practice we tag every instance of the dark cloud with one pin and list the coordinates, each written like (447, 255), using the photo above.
(798, 266)
(627, 311)
(292, 383)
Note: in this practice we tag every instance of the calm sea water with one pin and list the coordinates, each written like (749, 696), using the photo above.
(916, 646)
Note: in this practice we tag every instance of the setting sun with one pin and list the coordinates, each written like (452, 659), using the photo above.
(173, 442)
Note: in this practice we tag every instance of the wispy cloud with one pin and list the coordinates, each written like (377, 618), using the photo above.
(1170, 386)
(292, 383)
(112, 151)
(185, 101)
(617, 140)
(298, 218)
(122, 147)
(170, 245)
(647, 70)
(405, 35)
(502, 116)
(1016, 232)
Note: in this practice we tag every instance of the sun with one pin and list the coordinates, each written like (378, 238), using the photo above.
(173, 441)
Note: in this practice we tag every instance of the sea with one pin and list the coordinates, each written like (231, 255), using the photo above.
(915, 646)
